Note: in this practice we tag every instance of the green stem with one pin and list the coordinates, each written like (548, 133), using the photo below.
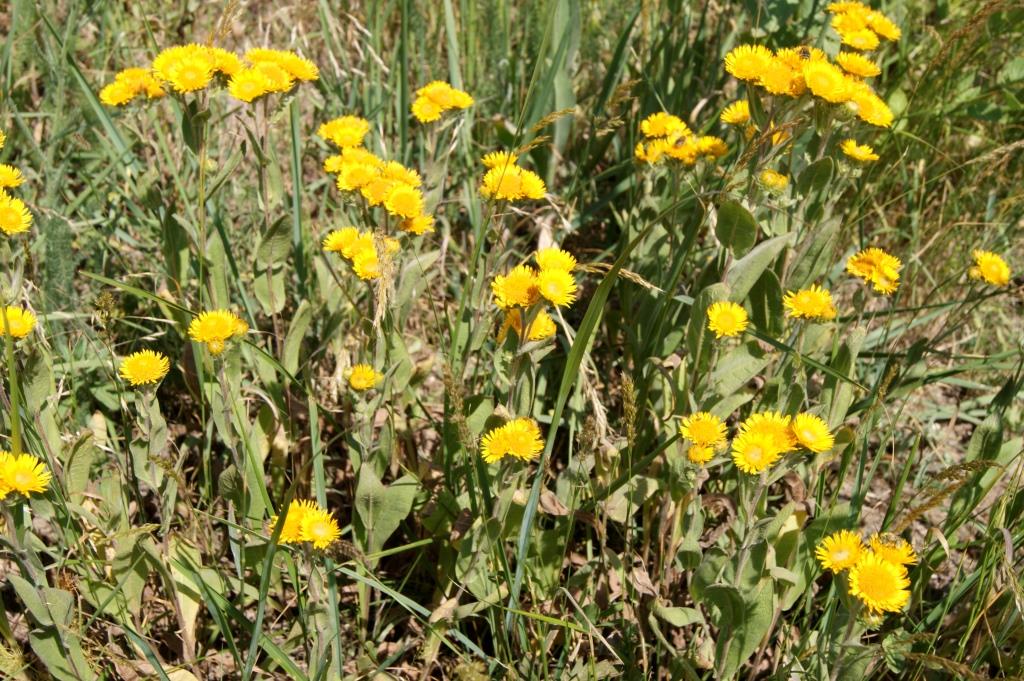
(12, 372)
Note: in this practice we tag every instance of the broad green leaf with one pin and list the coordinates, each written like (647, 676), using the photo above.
(678, 616)
(275, 245)
(734, 369)
(744, 273)
(736, 227)
(380, 509)
(743, 620)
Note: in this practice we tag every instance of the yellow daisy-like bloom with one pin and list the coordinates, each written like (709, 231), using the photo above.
(518, 288)
(858, 152)
(555, 258)
(117, 94)
(857, 64)
(14, 215)
(376, 190)
(663, 124)
(366, 264)
(557, 286)
(10, 177)
(872, 109)
(128, 84)
(883, 26)
(810, 303)
(355, 176)
(747, 62)
(727, 319)
(499, 159)
(291, 530)
(773, 425)
(541, 327)
(812, 433)
(703, 428)
(852, 7)
(827, 81)
(688, 149)
(404, 201)
(215, 328)
(772, 179)
(700, 454)
(880, 585)
(345, 131)
(419, 225)
(754, 452)
(863, 39)
(653, 151)
(248, 84)
(795, 57)
(437, 97)
(341, 241)
(839, 551)
(710, 146)
(990, 267)
(189, 75)
(393, 170)
(144, 367)
(334, 164)
(736, 113)
(876, 267)
(319, 528)
(297, 67)
(277, 77)
(893, 548)
(20, 322)
(519, 437)
(363, 377)
(426, 110)
(512, 183)
(23, 473)
(777, 77)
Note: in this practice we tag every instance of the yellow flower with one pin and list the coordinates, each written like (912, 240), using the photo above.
(876, 267)
(700, 454)
(393, 170)
(436, 97)
(418, 225)
(773, 180)
(363, 377)
(296, 66)
(754, 452)
(663, 124)
(858, 152)
(22, 473)
(3, 139)
(10, 177)
(871, 109)
(19, 321)
(366, 264)
(555, 258)
(883, 26)
(223, 61)
(512, 183)
(542, 326)
(319, 528)
(810, 303)
(777, 77)
(654, 150)
(341, 241)
(827, 81)
(839, 551)
(519, 437)
(794, 57)
(703, 428)
(710, 146)
(248, 84)
(812, 433)
(747, 62)
(144, 367)
(517, 288)
(863, 39)
(557, 286)
(291, 530)
(880, 585)
(736, 113)
(857, 64)
(277, 78)
(425, 110)
(499, 159)
(129, 83)
(990, 267)
(404, 201)
(376, 190)
(773, 425)
(727, 319)
(355, 176)
(892, 548)
(215, 328)
(345, 131)
(189, 75)
(14, 216)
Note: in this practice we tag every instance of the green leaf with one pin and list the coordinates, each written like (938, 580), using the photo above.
(744, 273)
(736, 227)
(766, 309)
(678, 616)
(816, 177)
(296, 332)
(698, 337)
(275, 245)
(380, 509)
(742, 621)
(733, 370)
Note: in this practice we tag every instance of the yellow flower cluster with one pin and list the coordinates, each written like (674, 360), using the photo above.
(810, 303)
(306, 521)
(990, 268)
(792, 72)
(216, 328)
(380, 183)
(506, 181)
(669, 137)
(762, 438)
(22, 474)
(15, 217)
(706, 433)
(877, 268)
(191, 68)
(877, 570)
(519, 438)
(860, 27)
(520, 291)
(362, 377)
(364, 252)
(145, 367)
(19, 322)
(435, 98)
